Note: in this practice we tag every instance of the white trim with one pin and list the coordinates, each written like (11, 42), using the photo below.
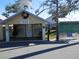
(43, 31)
(7, 33)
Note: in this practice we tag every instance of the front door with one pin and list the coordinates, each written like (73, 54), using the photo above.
(29, 30)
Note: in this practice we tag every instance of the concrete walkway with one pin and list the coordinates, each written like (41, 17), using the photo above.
(41, 51)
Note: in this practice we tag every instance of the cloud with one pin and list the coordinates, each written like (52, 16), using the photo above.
(72, 16)
(2, 17)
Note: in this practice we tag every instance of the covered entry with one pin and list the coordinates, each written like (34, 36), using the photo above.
(18, 27)
(26, 32)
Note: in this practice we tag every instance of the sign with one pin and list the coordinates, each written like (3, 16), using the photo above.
(23, 21)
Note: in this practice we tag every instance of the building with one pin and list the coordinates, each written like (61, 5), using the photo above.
(51, 21)
(22, 26)
(69, 29)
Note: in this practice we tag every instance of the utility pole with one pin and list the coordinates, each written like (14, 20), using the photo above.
(57, 23)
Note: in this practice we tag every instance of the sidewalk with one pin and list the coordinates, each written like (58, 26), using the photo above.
(74, 41)
(35, 43)
(18, 51)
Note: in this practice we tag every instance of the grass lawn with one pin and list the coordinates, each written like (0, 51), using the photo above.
(52, 34)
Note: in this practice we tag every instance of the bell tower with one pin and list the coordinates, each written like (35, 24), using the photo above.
(25, 4)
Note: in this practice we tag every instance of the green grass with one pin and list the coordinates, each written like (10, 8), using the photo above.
(52, 34)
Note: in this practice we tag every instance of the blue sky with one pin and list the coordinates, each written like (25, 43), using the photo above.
(35, 5)
(3, 3)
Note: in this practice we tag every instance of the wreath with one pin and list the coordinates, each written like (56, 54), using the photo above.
(25, 15)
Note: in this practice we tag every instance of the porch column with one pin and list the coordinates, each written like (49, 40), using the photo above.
(43, 32)
(7, 33)
(1, 33)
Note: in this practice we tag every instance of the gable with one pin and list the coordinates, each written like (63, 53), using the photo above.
(18, 19)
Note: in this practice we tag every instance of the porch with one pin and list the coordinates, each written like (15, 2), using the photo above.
(23, 32)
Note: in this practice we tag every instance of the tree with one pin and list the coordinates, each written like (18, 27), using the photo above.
(10, 8)
(64, 7)
(17, 6)
(58, 8)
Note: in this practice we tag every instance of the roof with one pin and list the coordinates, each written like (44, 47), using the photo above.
(3, 22)
(68, 20)
(65, 19)
(51, 20)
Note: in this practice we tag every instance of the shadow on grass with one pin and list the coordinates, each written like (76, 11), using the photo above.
(42, 51)
(12, 44)
(25, 43)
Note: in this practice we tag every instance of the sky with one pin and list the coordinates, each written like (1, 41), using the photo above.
(35, 5)
(3, 3)
(72, 16)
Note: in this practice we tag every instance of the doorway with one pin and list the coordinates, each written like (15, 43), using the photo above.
(26, 32)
